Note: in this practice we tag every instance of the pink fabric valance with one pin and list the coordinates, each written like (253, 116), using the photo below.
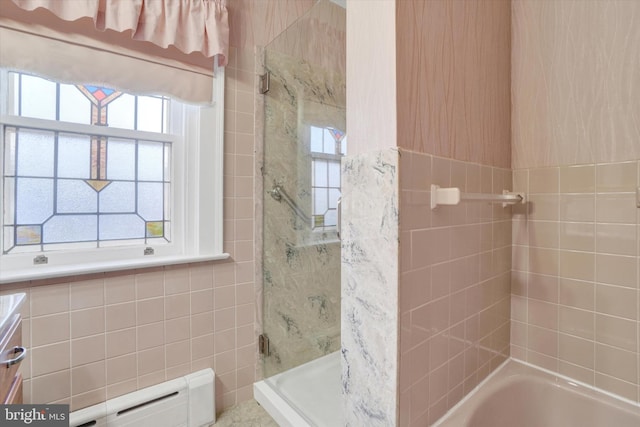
(189, 25)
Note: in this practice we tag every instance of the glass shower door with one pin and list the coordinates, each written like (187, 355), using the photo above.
(304, 140)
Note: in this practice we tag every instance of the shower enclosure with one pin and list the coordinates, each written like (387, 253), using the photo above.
(304, 140)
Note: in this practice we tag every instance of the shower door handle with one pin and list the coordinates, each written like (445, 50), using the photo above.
(339, 225)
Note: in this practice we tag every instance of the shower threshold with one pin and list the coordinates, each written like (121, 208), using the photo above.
(308, 395)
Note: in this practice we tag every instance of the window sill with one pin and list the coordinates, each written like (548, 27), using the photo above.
(40, 272)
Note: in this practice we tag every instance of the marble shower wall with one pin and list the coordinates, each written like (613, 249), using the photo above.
(301, 267)
(441, 87)
(455, 276)
(370, 288)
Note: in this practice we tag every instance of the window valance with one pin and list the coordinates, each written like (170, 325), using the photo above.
(159, 46)
(190, 25)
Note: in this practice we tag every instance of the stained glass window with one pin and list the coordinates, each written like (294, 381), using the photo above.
(78, 184)
(328, 145)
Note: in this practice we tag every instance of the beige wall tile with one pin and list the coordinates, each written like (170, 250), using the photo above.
(543, 234)
(577, 179)
(542, 314)
(49, 329)
(578, 236)
(51, 387)
(577, 207)
(151, 360)
(202, 347)
(577, 265)
(544, 180)
(86, 294)
(121, 342)
(543, 261)
(49, 299)
(459, 175)
(616, 301)
(201, 301)
(613, 385)
(177, 329)
(616, 208)
(176, 280)
(617, 332)
(577, 293)
(224, 341)
(87, 322)
(616, 177)
(120, 316)
(88, 377)
(150, 310)
(616, 362)
(121, 368)
(150, 284)
(202, 324)
(150, 335)
(616, 270)
(416, 206)
(224, 319)
(544, 361)
(544, 341)
(50, 358)
(520, 258)
(176, 354)
(87, 350)
(224, 297)
(577, 351)
(224, 274)
(201, 276)
(119, 289)
(543, 207)
(441, 171)
(245, 335)
(245, 314)
(178, 305)
(441, 280)
(580, 323)
(619, 239)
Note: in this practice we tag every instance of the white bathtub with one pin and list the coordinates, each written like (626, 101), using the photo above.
(523, 396)
(309, 395)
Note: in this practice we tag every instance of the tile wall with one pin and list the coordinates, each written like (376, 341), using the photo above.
(575, 295)
(455, 264)
(97, 337)
(575, 150)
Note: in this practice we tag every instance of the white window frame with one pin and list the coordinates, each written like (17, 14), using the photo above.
(197, 196)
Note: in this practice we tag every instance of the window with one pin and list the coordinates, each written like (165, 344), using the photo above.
(94, 175)
(328, 145)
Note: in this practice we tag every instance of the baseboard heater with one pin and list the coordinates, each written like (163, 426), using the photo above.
(183, 402)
